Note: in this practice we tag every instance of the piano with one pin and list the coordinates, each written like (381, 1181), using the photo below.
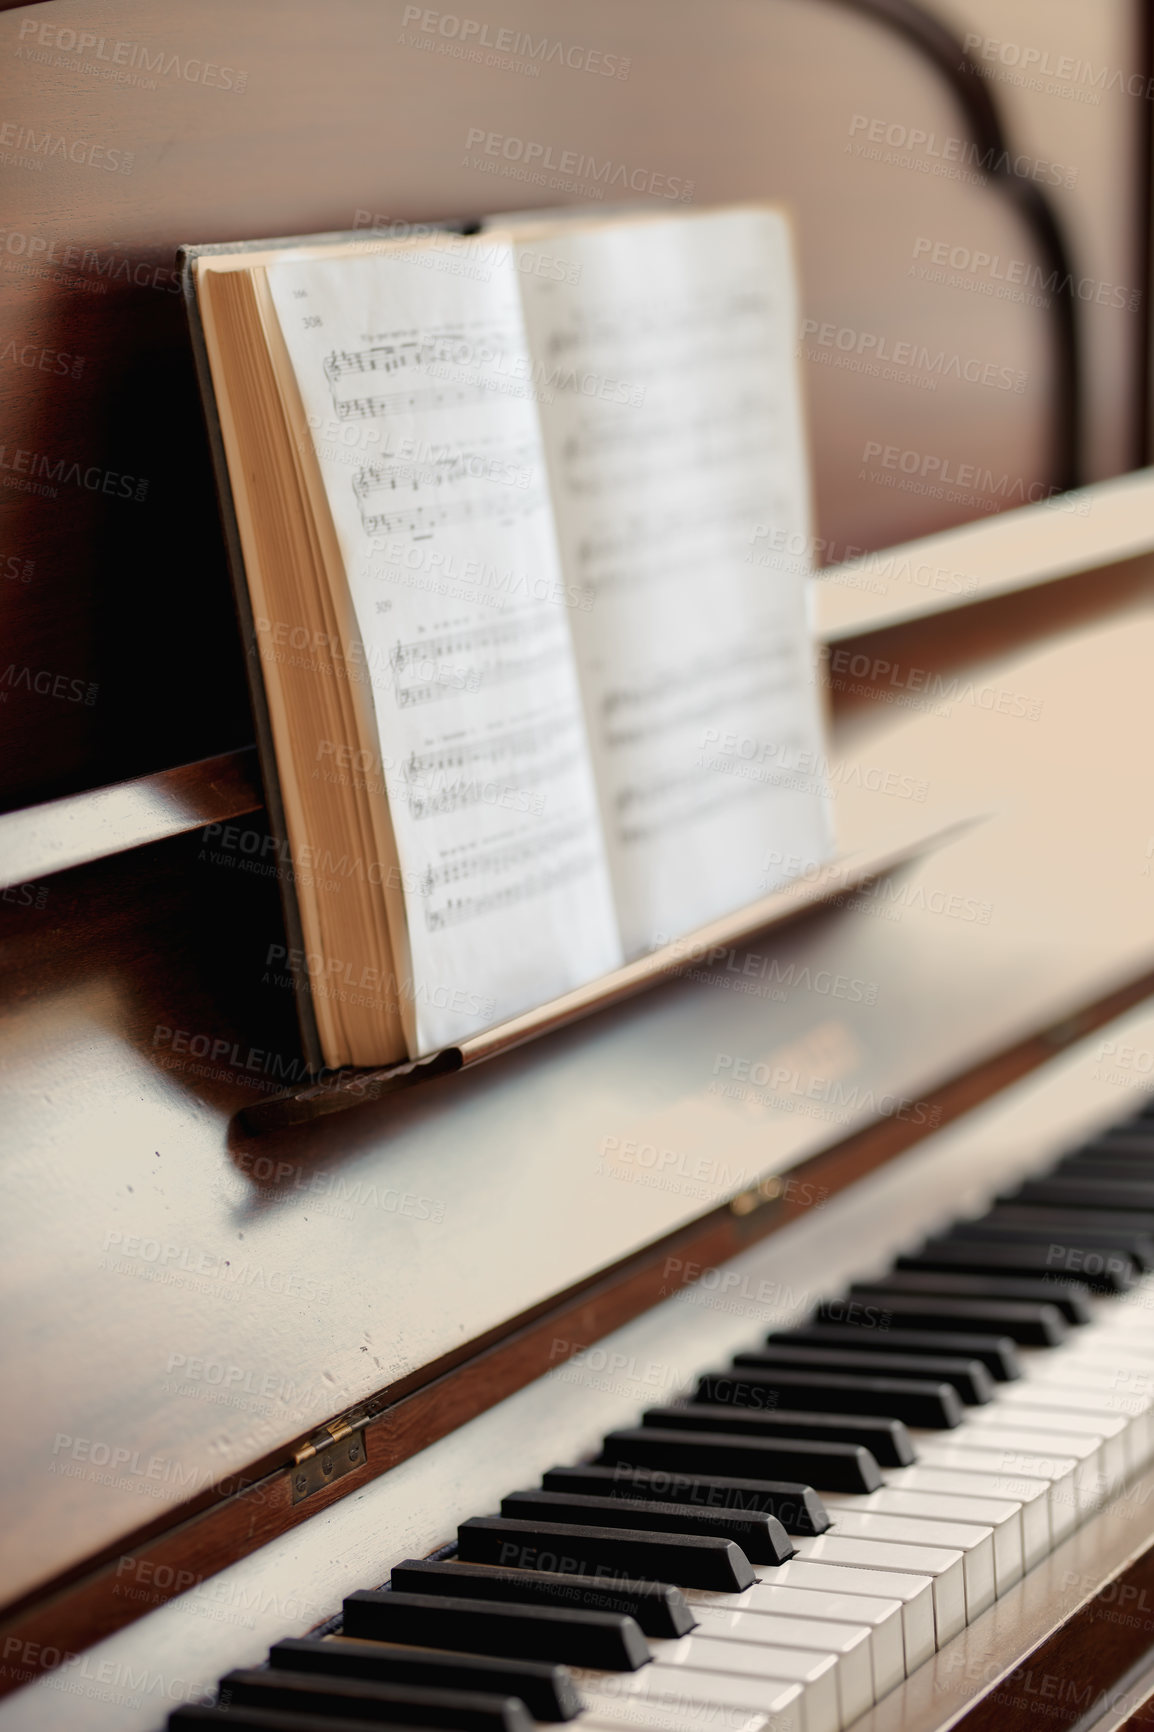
(773, 1352)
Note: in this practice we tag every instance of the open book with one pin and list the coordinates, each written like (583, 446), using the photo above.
(535, 706)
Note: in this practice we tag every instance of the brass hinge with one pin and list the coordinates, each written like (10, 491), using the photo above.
(337, 1449)
(746, 1202)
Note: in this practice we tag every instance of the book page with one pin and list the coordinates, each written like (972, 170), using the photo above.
(664, 351)
(415, 378)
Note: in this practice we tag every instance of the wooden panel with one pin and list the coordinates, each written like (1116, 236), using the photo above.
(226, 120)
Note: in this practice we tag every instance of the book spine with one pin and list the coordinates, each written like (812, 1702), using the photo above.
(274, 804)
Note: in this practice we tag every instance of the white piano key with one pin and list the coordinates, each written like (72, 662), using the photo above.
(914, 1591)
(1008, 1466)
(881, 1617)
(944, 1566)
(734, 1632)
(712, 1692)
(746, 1666)
(1079, 1406)
(1003, 1517)
(974, 1542)
(1104, 1433)
(628, 1716)
(1086, 1486)
(1030, 1495)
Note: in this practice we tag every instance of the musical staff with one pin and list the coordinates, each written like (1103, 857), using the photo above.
(455, 487)
(469, 658)
(541, 862)
(454, 777)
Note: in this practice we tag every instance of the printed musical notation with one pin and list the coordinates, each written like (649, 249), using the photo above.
(467, 773)
(540, 863)
(396, 357)
(456, 487)
(472, 657)
(460, 355)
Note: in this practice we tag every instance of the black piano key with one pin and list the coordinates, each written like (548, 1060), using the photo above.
(761, 1537)
(914, 1401)
(1120, 1142)
(828, 1466)
(1123, 1169)
(969, 1377)
(798, 1508)
(200, 1717)
(1101, 1270)
(1071, 1299)
(997, 1353)
(657, 1608)
(567, 1634)
(690, 1560)
(381, 1704)
(1116, 1228)
(863, 1390)
(1083, 1194)
(1028, 1325)
(548, 1691)
(887, 1440)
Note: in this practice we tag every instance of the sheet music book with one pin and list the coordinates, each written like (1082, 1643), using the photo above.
(529, 704)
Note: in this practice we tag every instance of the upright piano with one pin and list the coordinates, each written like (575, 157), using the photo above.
(774, 1350)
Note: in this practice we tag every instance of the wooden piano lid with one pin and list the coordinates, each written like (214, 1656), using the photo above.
(188, 1306)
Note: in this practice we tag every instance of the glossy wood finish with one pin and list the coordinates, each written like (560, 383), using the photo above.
(39, 841)
(111, 576)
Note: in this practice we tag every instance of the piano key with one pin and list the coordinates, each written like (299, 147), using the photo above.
(1102, 1270)
(886, 1439)
(762, 1538)
(797, 1507)
(684, 1686)
(690, 1560)
(743, 1633)
(1106, 1431)
(382, 1704)
(1080, 1406)
(968, 1376)
(1124, 1230)
(1030, 1495)
(632, 1716)
(1083, 1193)
(916, 1402)
(656, 1607)
(1028, 1325)
(1011, 1468)
(1123, 1169)
(1123, 1145)
(1134, 1133)
(945, 1566)
(1084, 1488)
(547, 1691)
(973, 1540)
(1002, 1516)
(829, 1698)
(996, 1352)
(881, 1617)
(640, 1716)
(830, 1466)
(202, 1717)
(912, 1589)
(1068, 1296)
(672, 1702)
(573, 1636)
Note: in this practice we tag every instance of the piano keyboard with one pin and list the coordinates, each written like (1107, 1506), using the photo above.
(779, 1549)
